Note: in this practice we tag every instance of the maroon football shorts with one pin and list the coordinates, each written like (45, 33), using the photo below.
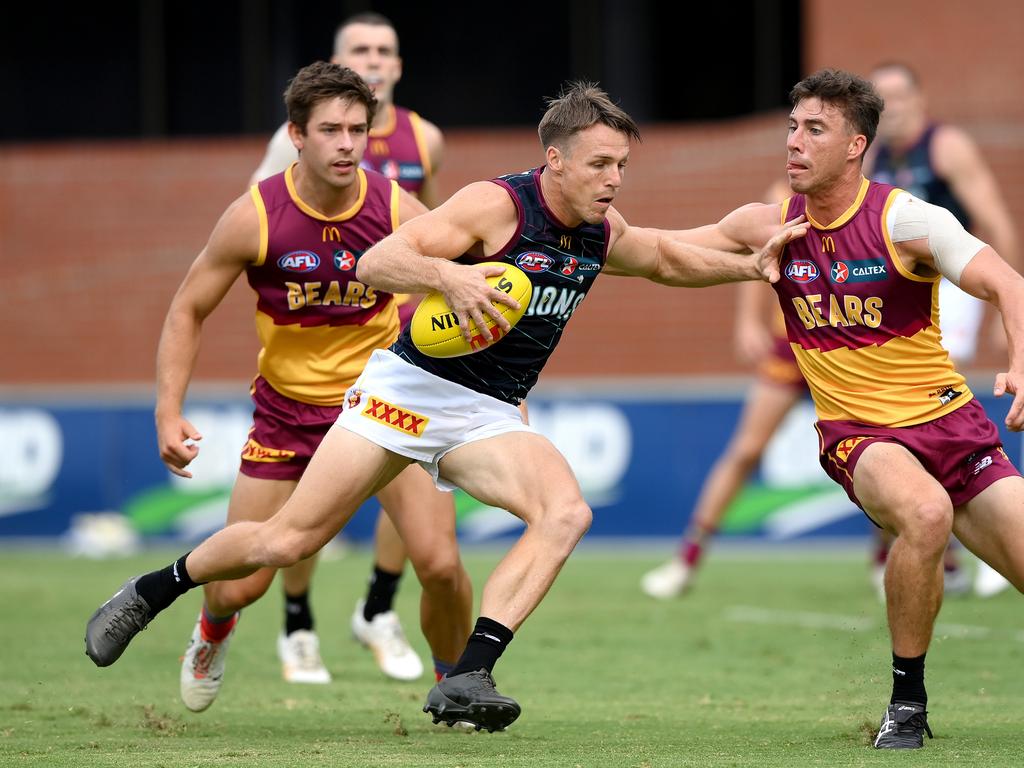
(779, 366)
(961, 450)
(284, 434)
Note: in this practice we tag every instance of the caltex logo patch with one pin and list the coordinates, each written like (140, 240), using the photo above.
(859, 271)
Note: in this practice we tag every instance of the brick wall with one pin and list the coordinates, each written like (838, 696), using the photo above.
(94, 238)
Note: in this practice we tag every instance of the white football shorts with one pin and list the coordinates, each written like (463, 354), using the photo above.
(414, 413)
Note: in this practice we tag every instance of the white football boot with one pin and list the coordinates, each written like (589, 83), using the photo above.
(988, 581)
(669, 580)
(202, 669)
(299, 653)
(385, 638)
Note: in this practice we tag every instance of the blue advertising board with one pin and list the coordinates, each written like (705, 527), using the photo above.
(640, 460)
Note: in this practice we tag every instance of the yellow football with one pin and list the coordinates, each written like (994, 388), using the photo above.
(434, 328)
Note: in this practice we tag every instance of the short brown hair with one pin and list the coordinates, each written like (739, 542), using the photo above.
(580, 105)
(322, 81)
(370, 19)
(855, 97)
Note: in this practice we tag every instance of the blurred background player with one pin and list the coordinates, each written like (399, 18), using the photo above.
(407, 149)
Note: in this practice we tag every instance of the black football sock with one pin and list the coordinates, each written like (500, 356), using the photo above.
(908, 680)
(161, 588)
(381, 593)
(485, 646)
(296, 613)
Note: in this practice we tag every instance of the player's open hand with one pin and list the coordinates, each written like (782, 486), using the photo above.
(768, 257)
(176, 439)
(1012, 382)
(470, 297)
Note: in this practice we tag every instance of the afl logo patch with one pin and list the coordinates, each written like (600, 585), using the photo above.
(801, 271)
(299, 261)
(344, 260)
(532, 261)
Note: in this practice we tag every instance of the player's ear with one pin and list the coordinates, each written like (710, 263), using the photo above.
(297, 135)
(555, 158)
(858, 145)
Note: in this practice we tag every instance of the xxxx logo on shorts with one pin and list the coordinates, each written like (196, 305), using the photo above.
(397, 418)
(253, 451)
(845, 448)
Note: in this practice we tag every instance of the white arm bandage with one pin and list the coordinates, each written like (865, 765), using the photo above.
(952, 246)
(280, 154)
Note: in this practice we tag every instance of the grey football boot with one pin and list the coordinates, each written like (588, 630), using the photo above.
(471, 698)
(115, 623)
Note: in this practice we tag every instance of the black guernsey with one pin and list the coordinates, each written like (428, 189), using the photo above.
(914, 172)
(561, 263)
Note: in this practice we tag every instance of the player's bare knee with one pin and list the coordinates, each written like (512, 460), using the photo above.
(567, 522)
(229, 596)
(745, 454)
(438, 570)
(928, 524)
(284, 549)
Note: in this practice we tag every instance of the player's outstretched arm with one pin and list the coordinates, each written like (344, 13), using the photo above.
(234, 243)
(990, 278)
(478, 220)
(745, 245)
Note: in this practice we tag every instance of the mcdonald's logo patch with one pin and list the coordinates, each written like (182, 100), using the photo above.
(565, 241)
(332, 234)
(391, 415)
(828, 244)
(253, 451)
(299, 261)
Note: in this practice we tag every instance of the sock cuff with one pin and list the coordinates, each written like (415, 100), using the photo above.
(499, 631)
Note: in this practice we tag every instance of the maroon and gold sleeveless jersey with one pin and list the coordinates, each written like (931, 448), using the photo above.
(398, 151)
(864, 329)
(316, 322)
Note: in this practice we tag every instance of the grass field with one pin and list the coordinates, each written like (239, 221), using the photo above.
(772, 661)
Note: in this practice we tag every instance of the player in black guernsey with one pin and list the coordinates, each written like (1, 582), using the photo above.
(561, 262)
(456, 417)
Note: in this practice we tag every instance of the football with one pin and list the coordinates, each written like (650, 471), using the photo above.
(434, 328)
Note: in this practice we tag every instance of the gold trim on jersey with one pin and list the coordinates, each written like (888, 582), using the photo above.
(316, 364)
(891, 246)
(846, 384)
(846, 215)
(395, 202)
(311, 211)
(421, 143)
(261, 213)
(389, 126)
(785, 209)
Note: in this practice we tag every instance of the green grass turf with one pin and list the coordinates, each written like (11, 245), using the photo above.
(771, 661)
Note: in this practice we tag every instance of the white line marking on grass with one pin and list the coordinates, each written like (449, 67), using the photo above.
(844, 623)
